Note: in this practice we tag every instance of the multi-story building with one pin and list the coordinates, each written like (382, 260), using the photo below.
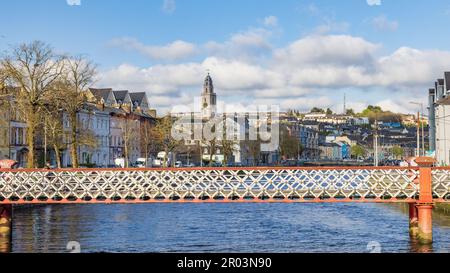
(4, 123)
(18, 139)
(94, 122)
(308, 139)
(439, 111)
(113, 119)
(13, 129)
(326, 118)
(330, 151)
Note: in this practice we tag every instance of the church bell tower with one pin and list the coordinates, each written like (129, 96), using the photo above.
(209, 98)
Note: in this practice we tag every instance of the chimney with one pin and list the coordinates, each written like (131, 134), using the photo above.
(447, 81)
(440, 89)
(152, 112)
(126, 107)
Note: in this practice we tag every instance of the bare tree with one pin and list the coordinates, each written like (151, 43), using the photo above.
(78, 74)
(212, 149)
(290, 146)
(254, 149)
(5, 107)
(33, 68)
(129, 127)
(55, 133)
(147, 138)
(162, 134)
(88, 138)
(227, 140)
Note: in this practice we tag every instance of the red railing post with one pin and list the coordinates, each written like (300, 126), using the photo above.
(425, 203)
(413, 220)
(6, 216)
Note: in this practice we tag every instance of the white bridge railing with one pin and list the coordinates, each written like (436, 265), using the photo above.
(216, 185)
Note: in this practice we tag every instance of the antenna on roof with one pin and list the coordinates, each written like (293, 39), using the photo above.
(345, 103)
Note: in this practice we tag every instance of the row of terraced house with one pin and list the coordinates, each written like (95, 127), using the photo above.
(108, 115)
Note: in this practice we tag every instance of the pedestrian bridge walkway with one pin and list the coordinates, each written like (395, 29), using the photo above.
(366, 184)
(420, 187)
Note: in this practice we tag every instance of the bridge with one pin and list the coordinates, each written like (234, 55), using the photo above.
(421, 187)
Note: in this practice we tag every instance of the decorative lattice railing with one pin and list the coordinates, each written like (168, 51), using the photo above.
(441, 183)
(218, 185)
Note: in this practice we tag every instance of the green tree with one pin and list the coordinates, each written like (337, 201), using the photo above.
(376, 113)
(329, 111)
(290, 146)
(398, 152)
(350, 112)
(317, 110)
(358, 151)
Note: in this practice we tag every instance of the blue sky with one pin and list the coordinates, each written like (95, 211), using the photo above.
(294, 53)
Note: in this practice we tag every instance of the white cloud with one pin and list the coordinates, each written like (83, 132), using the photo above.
(169, 6)
(73, 2)
(398, 106)
(308, 72)
(174, 51)
(331, 27)
(271, 21)
(374, 2)
(330, 49)
(328, 23)
(384, 24)
(243, 45)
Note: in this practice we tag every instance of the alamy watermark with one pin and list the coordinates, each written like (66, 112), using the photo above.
(222, 123)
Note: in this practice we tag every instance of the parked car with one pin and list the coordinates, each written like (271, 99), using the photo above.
(178, 164)
(290, 163)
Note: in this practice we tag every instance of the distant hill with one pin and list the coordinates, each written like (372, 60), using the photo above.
(377, 113)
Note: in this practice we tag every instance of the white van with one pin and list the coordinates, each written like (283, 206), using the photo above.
(159, 161)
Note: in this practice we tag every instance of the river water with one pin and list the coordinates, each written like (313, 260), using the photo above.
(233, 228)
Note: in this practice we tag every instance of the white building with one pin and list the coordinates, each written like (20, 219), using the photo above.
(439, 111)
(94, 121)
(243, 121)
(330, 119)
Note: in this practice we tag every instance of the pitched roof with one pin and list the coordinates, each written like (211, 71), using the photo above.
(137, 97)
(121, 95)
(101, 93)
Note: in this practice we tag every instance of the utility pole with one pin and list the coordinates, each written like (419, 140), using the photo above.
(375, 144)
(420, 124)
(423, 134)
(418, 135)
(345, 103)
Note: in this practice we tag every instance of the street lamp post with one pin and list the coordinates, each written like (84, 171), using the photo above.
(420, 124)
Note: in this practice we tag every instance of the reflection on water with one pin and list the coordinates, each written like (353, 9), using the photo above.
(218, 228)
(5, 245)
(416, 247)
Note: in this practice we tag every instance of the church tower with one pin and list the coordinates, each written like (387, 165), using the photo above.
(209, 98)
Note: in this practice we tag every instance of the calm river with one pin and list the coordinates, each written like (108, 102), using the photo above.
(221, 228)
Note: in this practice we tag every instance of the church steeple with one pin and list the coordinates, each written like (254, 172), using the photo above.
(209, 98)
(208, 86)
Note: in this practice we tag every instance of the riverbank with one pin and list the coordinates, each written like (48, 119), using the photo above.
(443, 208)
(441, 213)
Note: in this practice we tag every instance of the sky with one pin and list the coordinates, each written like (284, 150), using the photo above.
(292, 53)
